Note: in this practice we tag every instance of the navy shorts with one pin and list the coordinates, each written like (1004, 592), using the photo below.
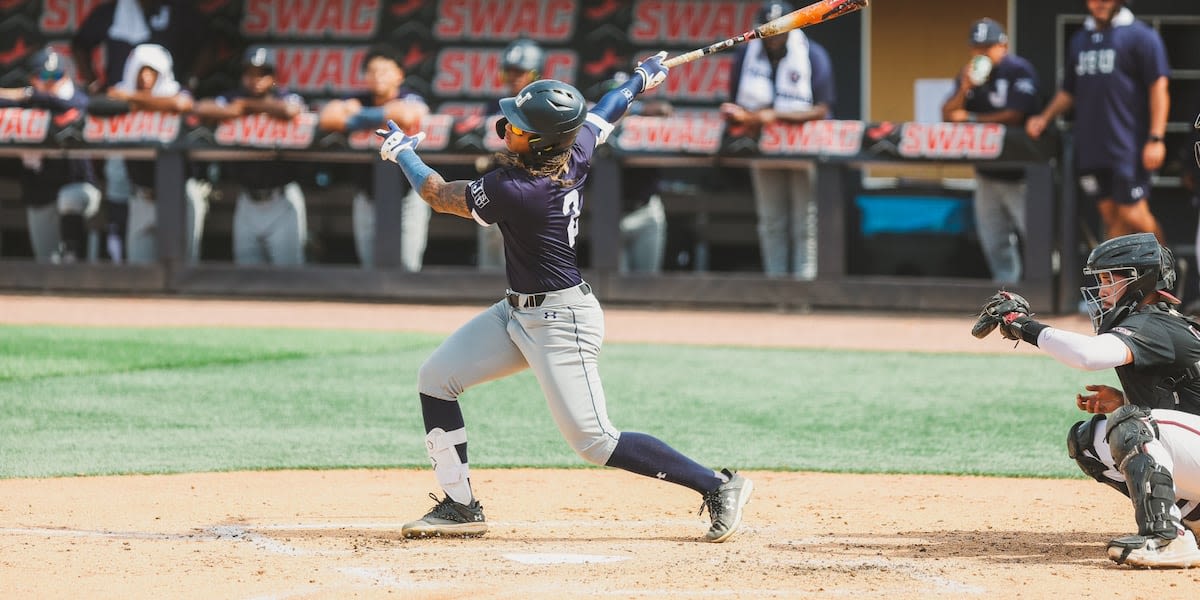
(1099, 184)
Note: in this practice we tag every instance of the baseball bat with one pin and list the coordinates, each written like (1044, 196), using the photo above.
(818, 12)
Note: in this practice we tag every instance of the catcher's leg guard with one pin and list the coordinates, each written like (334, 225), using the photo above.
(1082, 450)
(1149, 483)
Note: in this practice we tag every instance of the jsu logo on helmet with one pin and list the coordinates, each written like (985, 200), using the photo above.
(523, 98)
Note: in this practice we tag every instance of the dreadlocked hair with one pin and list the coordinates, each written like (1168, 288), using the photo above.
(553, 166)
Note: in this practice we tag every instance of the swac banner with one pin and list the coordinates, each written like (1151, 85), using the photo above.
(138, 128)
(450, 49)
(24, 125)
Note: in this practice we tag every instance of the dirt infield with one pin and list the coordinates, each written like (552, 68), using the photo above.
(559, 534)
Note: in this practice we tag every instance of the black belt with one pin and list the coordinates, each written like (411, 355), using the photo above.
(536, 300)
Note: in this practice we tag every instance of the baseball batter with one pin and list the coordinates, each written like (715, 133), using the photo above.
(549, 320)
(1143, 441)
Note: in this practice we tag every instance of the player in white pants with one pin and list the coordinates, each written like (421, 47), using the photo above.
(1145, 439)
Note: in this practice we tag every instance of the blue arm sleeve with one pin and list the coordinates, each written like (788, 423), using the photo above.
(414, 169)
(612, 106)
(368, 118)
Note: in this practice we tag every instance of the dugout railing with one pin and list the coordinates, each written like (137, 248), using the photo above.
(839, 151)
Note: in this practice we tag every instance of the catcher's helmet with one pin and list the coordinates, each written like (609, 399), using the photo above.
(549, 111)
(523, 54)
(1145, 267)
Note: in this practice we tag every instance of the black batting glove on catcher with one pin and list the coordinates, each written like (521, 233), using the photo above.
(1010, 313)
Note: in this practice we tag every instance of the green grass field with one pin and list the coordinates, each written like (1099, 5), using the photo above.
(101, 401)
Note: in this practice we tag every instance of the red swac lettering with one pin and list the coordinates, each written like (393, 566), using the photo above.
(700, 80)
(546, 20)
(687, 21)
(24, 125)
(262, 131)
(324, 69)
(462, 110)
(841, 138)
(657, 134)
(64, 16)
(467, 72)
(951, 140)
(311, 18)
(561, 65)
(137, 126)
(437, 131)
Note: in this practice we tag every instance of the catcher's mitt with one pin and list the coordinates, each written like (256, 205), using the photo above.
(1001, 309)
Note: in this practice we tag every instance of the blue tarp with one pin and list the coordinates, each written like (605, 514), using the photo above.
(913, 214)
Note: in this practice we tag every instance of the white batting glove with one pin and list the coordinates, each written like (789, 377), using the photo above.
(653, 71)
(396, 141)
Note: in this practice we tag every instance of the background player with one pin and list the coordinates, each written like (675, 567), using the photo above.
(1121, 111)
(1008, 94)
(521, 64)
(386, 98)
(60, 194)
(549, 321)
(787, 78)
(1150, 454)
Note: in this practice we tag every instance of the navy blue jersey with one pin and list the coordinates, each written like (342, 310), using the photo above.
(176, 26)
(1109, 73)
(1012, 85)
(259, 174)
(823, 90)
(1163, 345)
(42, 177)
(538, 218)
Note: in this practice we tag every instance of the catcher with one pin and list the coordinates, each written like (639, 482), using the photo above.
(1143, 441)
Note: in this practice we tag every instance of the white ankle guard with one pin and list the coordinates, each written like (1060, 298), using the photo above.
(447, 466)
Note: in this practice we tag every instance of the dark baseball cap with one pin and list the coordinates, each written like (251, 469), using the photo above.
(383, 50)
(47, 65)
(261, 57)
(523, 54)
(986, 32)
(771, 10)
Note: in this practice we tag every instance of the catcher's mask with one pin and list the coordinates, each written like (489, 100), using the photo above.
(550, 111)
(1124, 271)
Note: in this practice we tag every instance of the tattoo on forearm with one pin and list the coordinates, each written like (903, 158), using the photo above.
(446, 197)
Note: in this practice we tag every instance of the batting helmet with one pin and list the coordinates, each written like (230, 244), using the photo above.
(771, 10)
(549, 111)
(1145, 267)
(523, 54)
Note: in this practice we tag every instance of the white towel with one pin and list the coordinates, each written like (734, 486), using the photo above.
(156, 57)
(129, 23)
